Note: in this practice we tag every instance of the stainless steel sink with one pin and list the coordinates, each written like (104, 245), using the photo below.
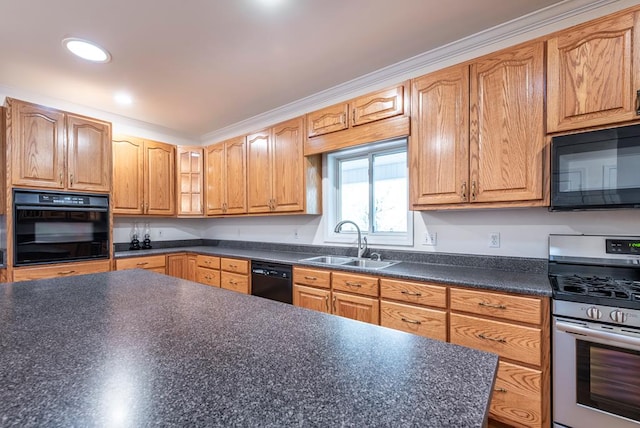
(351, 262)
(329, 260)
(369, 264)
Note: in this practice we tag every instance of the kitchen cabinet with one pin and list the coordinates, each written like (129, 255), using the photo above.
(517, 329)
(57, 150)
(593, 74)
(311, 289)
(478, 133)
(373, 117)
(60, 270)
(227, 177)
(413, 307)
(3, 275)
(355, 296)
(177, 265)
(153, 263)
(234, 275)
(190, 175)
(279, 178)
(144, 177)
(208, 270)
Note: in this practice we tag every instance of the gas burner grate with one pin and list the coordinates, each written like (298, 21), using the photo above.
(599, 287)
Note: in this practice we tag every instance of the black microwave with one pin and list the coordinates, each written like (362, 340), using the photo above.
(596, 170)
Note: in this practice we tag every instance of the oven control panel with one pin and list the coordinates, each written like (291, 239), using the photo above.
(623, 246)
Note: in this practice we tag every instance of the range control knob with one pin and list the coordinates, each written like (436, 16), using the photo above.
(618, 316)
(594, 313)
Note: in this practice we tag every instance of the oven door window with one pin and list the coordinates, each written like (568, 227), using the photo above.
(43, 236)
(608, 379)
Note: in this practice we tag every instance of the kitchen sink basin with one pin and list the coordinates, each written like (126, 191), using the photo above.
(351, 262)
(369, 264)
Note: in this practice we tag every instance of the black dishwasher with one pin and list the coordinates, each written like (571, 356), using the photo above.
(271, 281)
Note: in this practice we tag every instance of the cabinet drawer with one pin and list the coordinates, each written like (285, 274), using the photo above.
(60, 270)
(378, 105)
(234, 265)
(414, 292)
(507, 340)
(414, 319)
(516, 308)
(358, 308)
(329, 119)
(234, 282)
(517, 396)
(211, 262)
(313, 277)
(311, 298)
(360, 284)
(146, 262)
(208, 276)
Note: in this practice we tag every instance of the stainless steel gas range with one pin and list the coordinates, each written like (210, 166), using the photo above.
(596, 330)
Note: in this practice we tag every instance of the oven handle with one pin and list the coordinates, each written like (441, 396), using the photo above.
(572, 328)
(61, 208)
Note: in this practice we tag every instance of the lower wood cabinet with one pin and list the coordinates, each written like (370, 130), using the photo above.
(360, 308)
(3, 275)
(234, 275)
(414, 319)
(517, 396)
(177, 265)
(153, 263)
(312, 298)
(60, 270)
(208, 270)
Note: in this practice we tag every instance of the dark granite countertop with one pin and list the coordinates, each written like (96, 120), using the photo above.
(135, 348)
(534, 283)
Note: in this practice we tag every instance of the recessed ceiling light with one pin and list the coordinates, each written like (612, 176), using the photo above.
(123, 98)
(86, 50)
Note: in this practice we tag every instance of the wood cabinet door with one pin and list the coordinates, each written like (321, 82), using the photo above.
(37, 144)
(259, 169)
(377, 105)
(128, 170)
(235, 177)
(216, 182)
(192, 267)
(506, 134)
(311, 298)
(177, 265)
(159, 178)
(439, 145)
(288, 168)
(329, 119)
(190, 181)
(358, 308)
(518, 397)
(89, 154)
(591, 76)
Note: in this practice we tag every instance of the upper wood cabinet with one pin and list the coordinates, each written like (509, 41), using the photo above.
(279, 177)
(377, 116)
(593, 73)
(57, 150)
(189, 172)
(227, 177)
(144, 177)
(492, 151)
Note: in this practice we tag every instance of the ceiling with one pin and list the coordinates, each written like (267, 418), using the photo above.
(197, 66)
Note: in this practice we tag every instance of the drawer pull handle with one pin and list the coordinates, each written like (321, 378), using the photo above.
(311, 278)
(463, 191)
(232, 282)
(353, 284)
(490, 305)
(500, 340)
(638, 102)
(502, 390)
(66, 272)
(411, 293)
(334, 304)
(142, 263)
(326, 302)
(411, 321)
(233, 266)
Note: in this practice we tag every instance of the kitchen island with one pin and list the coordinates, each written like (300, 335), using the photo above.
(135, 348)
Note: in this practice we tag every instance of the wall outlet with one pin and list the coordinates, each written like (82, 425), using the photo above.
(430, 239)
(494, 240)
(296, 235)
(159, 233)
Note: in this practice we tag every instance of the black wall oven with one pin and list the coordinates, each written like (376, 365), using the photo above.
(596, 169)
(52, 227)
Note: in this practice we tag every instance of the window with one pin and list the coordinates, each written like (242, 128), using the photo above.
(369, 186)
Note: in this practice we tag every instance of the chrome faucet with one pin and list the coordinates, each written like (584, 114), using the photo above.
(362, 247)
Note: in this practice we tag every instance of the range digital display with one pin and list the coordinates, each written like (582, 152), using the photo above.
(623, 246)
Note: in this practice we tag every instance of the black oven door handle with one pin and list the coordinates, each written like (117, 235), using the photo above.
(602, 335)
(60, 208)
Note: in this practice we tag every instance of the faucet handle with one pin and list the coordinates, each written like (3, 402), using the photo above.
(376, 256)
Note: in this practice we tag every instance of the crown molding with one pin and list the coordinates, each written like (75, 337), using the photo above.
(544, 21)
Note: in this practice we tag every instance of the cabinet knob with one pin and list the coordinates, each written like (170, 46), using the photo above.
(473, 190)
(71, 179)
(463, 191)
